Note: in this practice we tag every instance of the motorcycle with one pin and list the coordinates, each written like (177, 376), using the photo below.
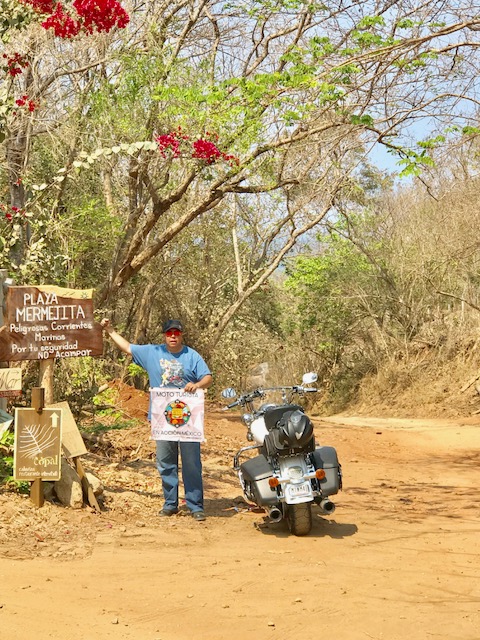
(290, 473)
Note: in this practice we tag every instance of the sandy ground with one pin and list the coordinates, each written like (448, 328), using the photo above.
(398, 559)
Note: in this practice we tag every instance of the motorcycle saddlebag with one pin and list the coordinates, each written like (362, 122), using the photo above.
(326, 458)
(256, 473)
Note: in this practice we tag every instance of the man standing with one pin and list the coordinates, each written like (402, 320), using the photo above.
(172, 364)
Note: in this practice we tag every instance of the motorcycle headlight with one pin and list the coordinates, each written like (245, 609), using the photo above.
(247, 419)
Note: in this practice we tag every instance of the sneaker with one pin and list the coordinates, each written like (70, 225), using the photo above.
(199, 516)
(167, 512)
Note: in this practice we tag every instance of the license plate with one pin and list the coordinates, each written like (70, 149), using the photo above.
(300, 490)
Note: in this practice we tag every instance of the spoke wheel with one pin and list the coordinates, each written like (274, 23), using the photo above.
(299, 518)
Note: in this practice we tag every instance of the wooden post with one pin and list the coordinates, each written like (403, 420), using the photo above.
(86, 486)
(38, 399)
(36, 488)
(36, 493)
(46, 378)
(3, 277)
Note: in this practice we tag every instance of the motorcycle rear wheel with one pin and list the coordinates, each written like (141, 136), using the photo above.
(299, 518)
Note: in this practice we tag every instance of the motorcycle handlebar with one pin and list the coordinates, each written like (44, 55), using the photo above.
(304, 389)
(248, 397)
(259, 393)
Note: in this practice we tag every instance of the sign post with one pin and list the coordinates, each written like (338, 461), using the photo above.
(3, 283)
(37, 450)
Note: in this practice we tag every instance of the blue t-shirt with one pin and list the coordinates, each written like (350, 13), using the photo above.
(167, 369)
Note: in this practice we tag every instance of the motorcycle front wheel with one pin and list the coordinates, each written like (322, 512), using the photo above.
(299, 518)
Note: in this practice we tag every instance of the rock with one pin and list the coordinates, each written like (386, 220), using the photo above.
(257, 376)
(69, 488)
(95, 483)
(48, 490)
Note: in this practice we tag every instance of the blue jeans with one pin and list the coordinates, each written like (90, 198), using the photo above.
(167, 465)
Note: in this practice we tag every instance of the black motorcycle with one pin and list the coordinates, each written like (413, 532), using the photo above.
(290, 472)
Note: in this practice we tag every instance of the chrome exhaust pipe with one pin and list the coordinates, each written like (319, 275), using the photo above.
(275, 514)
(327, 506)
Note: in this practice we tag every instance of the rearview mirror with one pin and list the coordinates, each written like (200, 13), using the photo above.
(309, 378)
(229, 392)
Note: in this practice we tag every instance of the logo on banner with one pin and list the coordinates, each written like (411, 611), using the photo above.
(177, 413)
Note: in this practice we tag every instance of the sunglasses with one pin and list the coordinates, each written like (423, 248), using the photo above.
(173, 333)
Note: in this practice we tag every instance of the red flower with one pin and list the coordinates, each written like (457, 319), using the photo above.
(89, 16)
(101, 15)
(63, 25)
(203, 149)
(231, 159)
(206, 150)
(168, 141)
(41, 6)
(15, 64)
(24, 101)
(11, 212)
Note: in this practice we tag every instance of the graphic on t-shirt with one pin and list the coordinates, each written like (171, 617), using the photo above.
(172, 375)
(177, 413)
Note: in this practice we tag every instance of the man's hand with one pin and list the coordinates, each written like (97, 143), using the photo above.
(121, 343)
(204, 383)
(105, 324)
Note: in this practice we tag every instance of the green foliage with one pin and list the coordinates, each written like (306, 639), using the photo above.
(88, 239)
(137, 373)
(414, 162)
(407, 23)
(471, 131)
(261, 8)
(432, 142)
(77, 381)
(14, 17)
(370, 21)
(7, 441)
(364, 120)
(322, 285)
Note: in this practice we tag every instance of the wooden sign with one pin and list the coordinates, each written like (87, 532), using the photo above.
(49, 322)
(10, 382)
(37, 450)
(72, 441)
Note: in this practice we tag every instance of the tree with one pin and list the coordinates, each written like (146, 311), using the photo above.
(277, 103)
(43, 80)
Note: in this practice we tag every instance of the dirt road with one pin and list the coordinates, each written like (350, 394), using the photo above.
(398, 559)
